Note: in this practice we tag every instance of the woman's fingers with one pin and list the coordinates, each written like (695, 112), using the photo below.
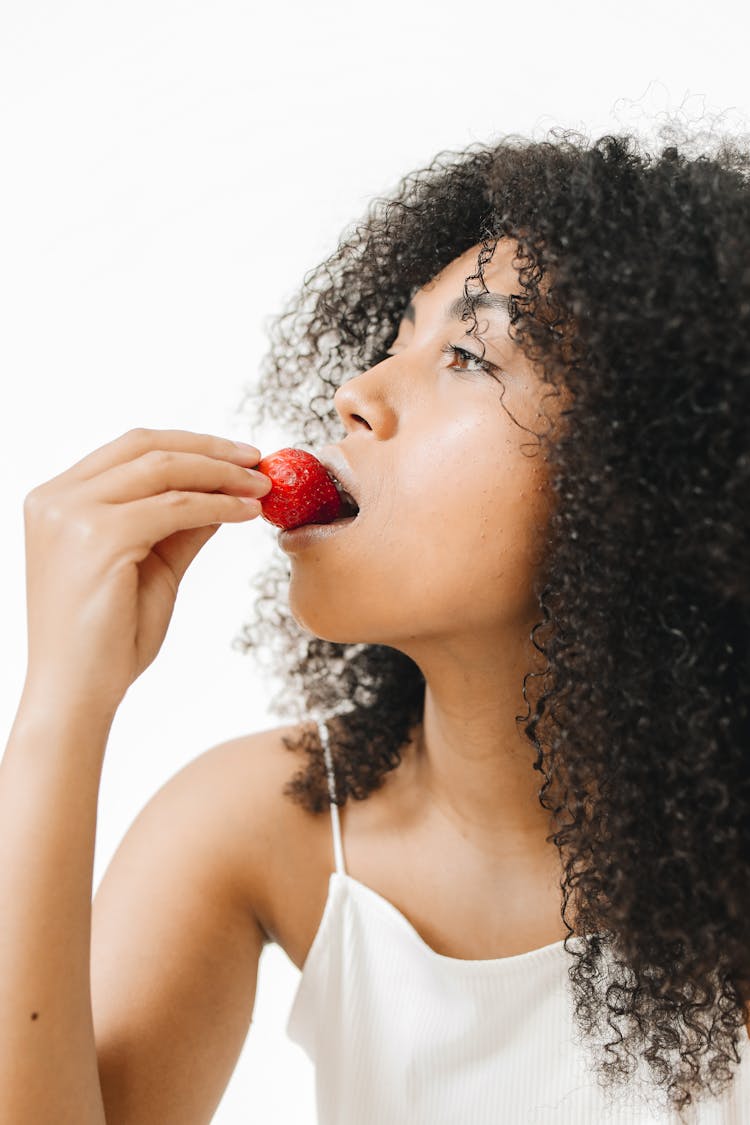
(164, 470)
(138, 441)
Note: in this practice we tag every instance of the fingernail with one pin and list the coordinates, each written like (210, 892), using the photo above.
(245, 448)
(265, 482)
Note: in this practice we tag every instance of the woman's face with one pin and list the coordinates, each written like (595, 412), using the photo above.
(450, 480)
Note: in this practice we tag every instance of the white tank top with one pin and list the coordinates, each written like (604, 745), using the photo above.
(402, 1035)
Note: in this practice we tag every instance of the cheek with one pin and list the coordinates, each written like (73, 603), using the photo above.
(459, 493)
(472, 536)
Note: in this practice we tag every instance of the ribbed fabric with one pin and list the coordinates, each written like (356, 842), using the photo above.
(402, 1035)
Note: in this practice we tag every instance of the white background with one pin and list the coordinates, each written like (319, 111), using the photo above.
(169, 172)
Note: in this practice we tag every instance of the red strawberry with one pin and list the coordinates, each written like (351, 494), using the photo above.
(302, 490)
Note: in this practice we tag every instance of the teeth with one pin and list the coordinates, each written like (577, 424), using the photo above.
(340, 488)
(350, 504)
(346, 497)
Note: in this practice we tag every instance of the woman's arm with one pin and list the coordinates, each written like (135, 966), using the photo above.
(49, 786)
(108, 542)
(135, 1015)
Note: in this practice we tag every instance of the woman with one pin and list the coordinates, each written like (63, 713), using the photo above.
(539, 355)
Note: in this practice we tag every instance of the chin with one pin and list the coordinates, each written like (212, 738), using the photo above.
(339, 628)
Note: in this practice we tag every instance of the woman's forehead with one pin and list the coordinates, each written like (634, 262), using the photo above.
(497, 272)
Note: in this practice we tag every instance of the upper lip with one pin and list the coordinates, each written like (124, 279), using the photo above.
(336, 464)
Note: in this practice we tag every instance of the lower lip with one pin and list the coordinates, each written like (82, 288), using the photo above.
(309, 533)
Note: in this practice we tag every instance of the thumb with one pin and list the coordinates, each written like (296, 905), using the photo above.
(179, 549)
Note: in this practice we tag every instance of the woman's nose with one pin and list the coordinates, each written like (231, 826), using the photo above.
(364, 398)
(356, 389)
(349, 401)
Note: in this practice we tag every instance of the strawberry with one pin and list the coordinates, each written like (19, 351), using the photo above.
(302, 490)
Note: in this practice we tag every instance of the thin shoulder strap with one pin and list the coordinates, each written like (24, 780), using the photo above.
(338, 850)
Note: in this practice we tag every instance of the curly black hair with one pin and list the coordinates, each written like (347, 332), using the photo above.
(634, 293)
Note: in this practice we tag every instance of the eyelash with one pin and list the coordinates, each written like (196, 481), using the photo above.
(454, 350)
(484, 364)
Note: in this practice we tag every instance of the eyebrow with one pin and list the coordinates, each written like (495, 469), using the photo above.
(492, 302)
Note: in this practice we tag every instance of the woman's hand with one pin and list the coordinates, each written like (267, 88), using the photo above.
(107, 544)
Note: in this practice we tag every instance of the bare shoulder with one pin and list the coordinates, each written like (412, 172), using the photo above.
(179, 922)
(279, 854)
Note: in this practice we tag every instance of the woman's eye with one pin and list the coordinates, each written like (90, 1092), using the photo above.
(463, 356)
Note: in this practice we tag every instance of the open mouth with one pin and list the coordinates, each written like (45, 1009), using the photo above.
(349, 506)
